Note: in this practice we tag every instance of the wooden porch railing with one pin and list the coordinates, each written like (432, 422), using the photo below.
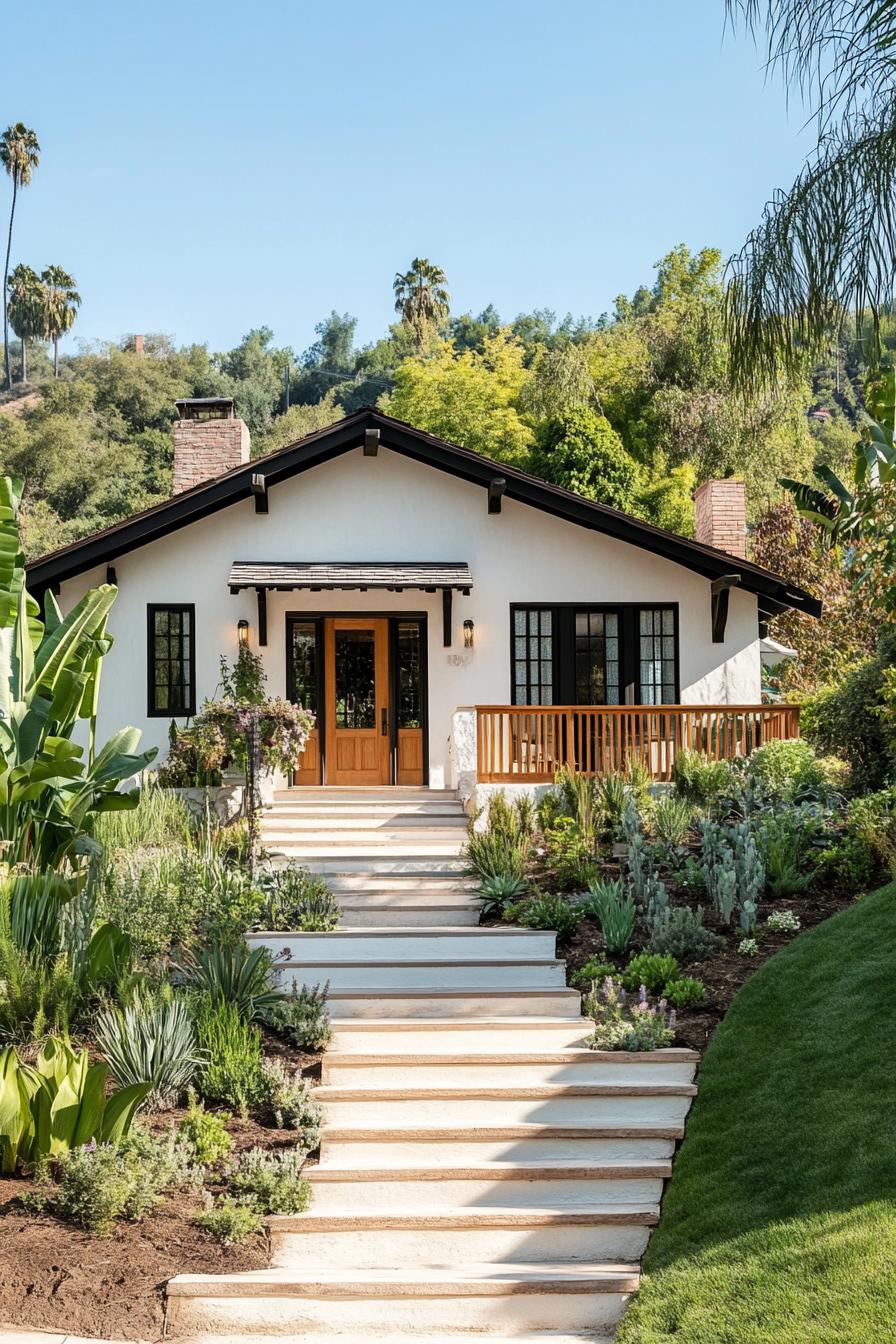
(517, 744)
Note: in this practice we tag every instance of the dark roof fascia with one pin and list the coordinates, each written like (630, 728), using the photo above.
(330, 442)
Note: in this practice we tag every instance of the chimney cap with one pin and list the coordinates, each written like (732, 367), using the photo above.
(205, 408)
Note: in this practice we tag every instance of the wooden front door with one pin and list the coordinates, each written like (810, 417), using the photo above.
(358, 726)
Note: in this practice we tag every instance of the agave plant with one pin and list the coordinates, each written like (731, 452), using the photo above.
(152, 1043)
(231, 973)
(498, 890)
(50, 792)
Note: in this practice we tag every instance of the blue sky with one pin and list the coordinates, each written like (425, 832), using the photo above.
(209, 167)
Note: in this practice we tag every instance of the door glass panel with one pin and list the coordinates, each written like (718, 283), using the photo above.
(355, 676)
(597, 657)
(408, 674)
(533, 661)
(304, 664)
(656, 646)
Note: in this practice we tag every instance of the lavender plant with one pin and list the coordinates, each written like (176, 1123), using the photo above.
(623, 1024)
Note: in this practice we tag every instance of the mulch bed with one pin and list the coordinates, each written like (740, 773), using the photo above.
(53, 1276)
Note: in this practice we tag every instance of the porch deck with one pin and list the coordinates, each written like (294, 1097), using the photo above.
(527, 744)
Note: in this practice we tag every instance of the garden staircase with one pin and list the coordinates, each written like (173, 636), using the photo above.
(481, 1173)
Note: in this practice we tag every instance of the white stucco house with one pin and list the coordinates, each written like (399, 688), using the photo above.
(448, 618)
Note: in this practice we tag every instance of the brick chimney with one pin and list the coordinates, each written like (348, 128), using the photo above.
(721, 509)
(138, 345)
(209, 439)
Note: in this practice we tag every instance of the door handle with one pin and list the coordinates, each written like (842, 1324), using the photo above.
(384, 721)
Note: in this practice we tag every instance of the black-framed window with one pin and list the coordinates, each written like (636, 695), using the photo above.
(581, 654)
(533, 656)
(171, 652)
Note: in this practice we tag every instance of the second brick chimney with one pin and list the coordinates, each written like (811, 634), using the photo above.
(209, 439)
(721, 509)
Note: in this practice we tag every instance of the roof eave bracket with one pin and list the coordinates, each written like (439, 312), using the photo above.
(260, 492)
(719, 590)
(496, 489)
(371, 442)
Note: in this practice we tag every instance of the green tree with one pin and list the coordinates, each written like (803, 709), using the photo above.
(61, 303)
(582, 452)
(470, 398)
(560, 382)
(422, 299)
(20, 155)
(26, 309)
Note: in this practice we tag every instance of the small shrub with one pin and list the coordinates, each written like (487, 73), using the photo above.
(847, 721)
(615, 912)
(302, 1016)
(228, 1222)
(292, 1102)
(851, 862)
(151, 1040)
(230, 902)
(578, 802)
(231, 1072)
(684, 992)
(638, 782)
(205, 1134)
(593, 973)
(672, 820)
(611, 796)
(789, 772)
(545, 912)
(569, 854)
(698, 779)
(620, 1025)
(298, 900)
(503, 846)
(678, 931)
(270, 1182)
(748, 947)
(233, 974)
(785, 838)
(650, 970)
(783, 921)
(871, 821)
(500, 889)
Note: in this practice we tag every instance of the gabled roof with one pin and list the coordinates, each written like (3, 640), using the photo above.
(497, 478)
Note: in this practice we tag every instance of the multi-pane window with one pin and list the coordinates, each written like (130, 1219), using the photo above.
(597, 657)
(304, 664)
(409, 680)
(355, 678)
(172, 666)
(533, 656)
(656, 655)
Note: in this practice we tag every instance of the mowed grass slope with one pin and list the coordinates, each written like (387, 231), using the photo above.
(779, 1223)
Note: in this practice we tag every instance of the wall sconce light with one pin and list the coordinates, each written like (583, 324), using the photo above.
(468, 634)
(242, 633)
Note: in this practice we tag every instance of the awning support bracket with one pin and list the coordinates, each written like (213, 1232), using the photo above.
(262, 594)
(447, 595)
(719, 590)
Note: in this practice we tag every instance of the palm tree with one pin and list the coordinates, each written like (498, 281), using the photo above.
(61, 307)
(20, 155)
(421, 297)
(26, 309)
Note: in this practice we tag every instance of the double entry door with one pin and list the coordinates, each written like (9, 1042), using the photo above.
(363, 677)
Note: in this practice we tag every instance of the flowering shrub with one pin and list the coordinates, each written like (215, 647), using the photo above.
(623, 1025)
(782, 921)
(748, 947)
(282, 728)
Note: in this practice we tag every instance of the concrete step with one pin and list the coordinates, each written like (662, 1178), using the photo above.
(418, 1146)
(329, 793)
(509, 1069)
(483, 1002)
(420, 886)
(402, 945)
(423, 865)
(456, 1036)
(442, 1237)
(533, 973)
(359, 915)
(464, 1297)
(363, 819)
(351, 844)
(344, 1189)
(475, 1107)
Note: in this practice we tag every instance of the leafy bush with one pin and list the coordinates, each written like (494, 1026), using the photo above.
(698, 779)
(748, 947)
(97, 1186)
(205, 1134)
(791, 772)
(650, 970)
(545, 912)
(678, 931)
(684, 992)
(672, 820)
(152, 1040)
(782, 921)
(850, 862)
(302, 1016)
(158, 900)
(503, 846)
(620, 1025)
(270, 1182)
(231, 903)
(292, 1101)
(38, 997)
(228, 1222)
(570, 854)
(298, 900)
(611, 799)
(871, 822)
(615, 912)
(498, 890)
(233, 974)
(592, 973)
(57, 1104)
(231, 1072)
(848, 722)
(785, 838)
(578, 799)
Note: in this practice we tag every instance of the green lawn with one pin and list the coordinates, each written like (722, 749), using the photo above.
(779, 1223)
